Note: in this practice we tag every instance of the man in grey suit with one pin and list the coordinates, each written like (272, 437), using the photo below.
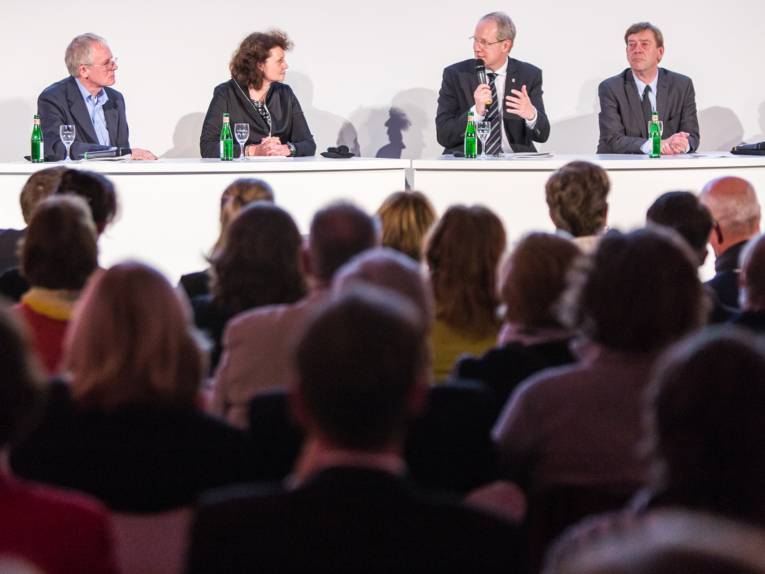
(85, 101)
(628, 99)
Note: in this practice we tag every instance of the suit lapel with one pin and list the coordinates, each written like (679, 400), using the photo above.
(634, 103)
(662, 95)
(111, 116)
(85, 130)
(249, 108)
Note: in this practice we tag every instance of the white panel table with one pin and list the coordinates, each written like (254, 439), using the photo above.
(169, 208)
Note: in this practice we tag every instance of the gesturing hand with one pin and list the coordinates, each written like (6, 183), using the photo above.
(519, 103)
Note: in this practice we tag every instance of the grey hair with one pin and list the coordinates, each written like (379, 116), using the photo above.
(79, 51)
(505, 26)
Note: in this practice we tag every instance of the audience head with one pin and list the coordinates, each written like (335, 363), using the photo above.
(705, 424)
(389, 269)
(638, 292)
(338, 232)
(247, 63)
(683, 212)
(577, 198)
(733, 204)
(406, 218)
(463, 252)
(19, 379)
(259, 261)
(97, 191)
(131, 342)
(59, 249)
(239, 193)
(534, 278)
(752, 276)
(40, 185)
(361, 368)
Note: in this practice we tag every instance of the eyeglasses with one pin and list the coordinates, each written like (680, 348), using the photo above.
(483, 43)
(112, 63)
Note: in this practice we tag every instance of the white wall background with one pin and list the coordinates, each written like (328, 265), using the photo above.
(354, 61)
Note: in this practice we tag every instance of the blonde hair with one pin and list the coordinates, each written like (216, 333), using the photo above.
(131, 342)
(406, 218)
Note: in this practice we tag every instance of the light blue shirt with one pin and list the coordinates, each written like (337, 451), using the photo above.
(95, 106)
(646, 147)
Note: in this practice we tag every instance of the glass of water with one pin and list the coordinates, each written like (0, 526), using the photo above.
(482, 130)
(241, 133)
(67, 133)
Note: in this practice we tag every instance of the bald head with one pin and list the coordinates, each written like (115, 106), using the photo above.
(734, 206)
(752, 276)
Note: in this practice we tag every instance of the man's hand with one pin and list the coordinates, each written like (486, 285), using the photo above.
(141, 154)
(674, 144)
(520, 104)
(482, 97)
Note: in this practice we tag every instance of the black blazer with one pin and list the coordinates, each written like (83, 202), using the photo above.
(62, 103)
(346, 520)
(289, 123)
(456, 98)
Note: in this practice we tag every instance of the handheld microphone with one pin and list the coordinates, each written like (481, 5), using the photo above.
(480, 70)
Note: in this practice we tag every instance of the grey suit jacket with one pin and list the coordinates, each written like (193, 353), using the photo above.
(456, 98)
(623, 128)
(62, 103)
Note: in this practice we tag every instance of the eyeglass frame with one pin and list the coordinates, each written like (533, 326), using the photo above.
(112, 63)
(484, 43)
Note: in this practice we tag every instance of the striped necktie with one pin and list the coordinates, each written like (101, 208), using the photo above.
(494, 143)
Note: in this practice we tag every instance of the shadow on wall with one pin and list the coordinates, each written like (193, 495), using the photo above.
(577, 134)
(186, 136)
(720, 129)
(760, 136)
(328, 129)
(17, 116)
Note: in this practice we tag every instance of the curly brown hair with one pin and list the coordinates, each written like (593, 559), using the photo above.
(463, 253)
(577, 198)
(254, 50)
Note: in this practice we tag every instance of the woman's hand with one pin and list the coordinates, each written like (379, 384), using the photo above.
(269, 146)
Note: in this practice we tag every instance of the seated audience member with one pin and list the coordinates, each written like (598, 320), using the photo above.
(40, 185)
(577, 199)
(239, 193)
(257, 344)
(463, 252)
(533, 337)
(57, 531)
(58, 256)
(406, 218)
(683, 212)
(362, 374)
(257, 264)
(126, 426)
(733, 204)
(581, 424)
(752, 287)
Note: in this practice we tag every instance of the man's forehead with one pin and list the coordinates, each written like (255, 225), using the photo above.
(486, 28)
(101, 49)
(642, 36)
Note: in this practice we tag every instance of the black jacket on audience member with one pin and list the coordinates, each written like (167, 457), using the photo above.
(725, 281)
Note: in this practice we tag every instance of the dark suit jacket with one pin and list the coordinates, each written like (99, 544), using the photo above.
(62, 103)
(623, 127)
(725, 281)
(456, 98)
(9, 247)
(346, 520)
(289, 123)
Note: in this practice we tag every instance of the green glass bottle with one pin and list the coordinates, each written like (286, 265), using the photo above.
(226, 140)
(654, 134)
(471, 140)
(38, 146)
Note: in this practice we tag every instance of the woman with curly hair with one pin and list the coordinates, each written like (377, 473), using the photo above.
(255, 95)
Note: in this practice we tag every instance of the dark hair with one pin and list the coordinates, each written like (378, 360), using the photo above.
(20, 381)
(254, 50)
(338, 232)
(463, 253)
(534, 279)
(406, 218)
(357, 363)
(706, 426)
(577, 196)
(59, 249)
(97, 191)
(683, 212)
(259, 262)
(237, 194)
(642, 26)
(638, 292)
(40, 185)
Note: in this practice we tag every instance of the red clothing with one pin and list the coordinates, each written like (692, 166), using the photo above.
(47, 336)
(60, 532)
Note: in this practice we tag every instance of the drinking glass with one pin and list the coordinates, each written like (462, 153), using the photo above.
(241, 133)
(483, 130)
(67, 133)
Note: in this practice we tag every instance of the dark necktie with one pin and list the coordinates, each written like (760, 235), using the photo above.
(647, 109)
(494, 143)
